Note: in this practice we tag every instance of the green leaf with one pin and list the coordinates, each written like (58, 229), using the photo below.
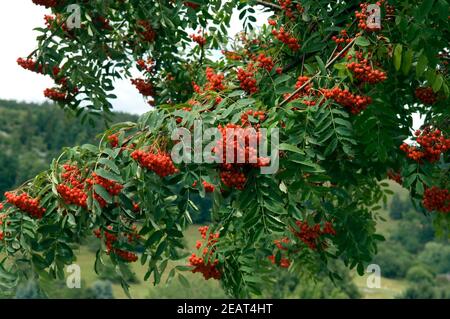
(290, 148)
(99, 190)
(362, 42)
(184, 281)
(421, 65)
(398, 56)
(108, 175)
(437, 84)
(407, 61)
(109, 164)
(321, 65)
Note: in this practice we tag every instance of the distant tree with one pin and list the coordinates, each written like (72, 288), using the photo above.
(436, 256)
(393, 259)
(397, 207)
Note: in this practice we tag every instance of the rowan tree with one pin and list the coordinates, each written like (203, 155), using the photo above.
(341, 89)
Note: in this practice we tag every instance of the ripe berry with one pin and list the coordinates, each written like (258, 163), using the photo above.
(201, 40)
(426, 95)
(284, 262)
(144, 87)
(431, 144)
(209, 188)
(159, 162)
(146, 31)
(354, 103)
(191, 5)
(46, 3)
(395, 176)
(265, 62)
(436, 199)
(247, 79)
(214, 81)
(311, 235)
(30, 64)
(364, 72)
(26, 204)
(55, 95)
(286, 38)
(113, 140)
(112, 187)
(205, 265)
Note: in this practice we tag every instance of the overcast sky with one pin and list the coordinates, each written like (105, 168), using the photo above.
(17, 20)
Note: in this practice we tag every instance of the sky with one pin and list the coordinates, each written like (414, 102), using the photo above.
(17, 20)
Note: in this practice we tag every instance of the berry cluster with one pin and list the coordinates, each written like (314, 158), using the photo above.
(354, 103)
(146, 31)
(284, 262)
(265, 62)
(243, 155)
(233, 178)
(232, 55)
(55, 94)
(285, 37)
(203, 264)
(436, 199)
(281, 244)
(209, 188)
(146, 66)
(214, 81)
(191, 5)
(51, 21)
(30, 64)
(243, 151)
(112, 187)
(46, 3)
(364, 72)
(72, 190)
(102, 23)
(111, 238)
(431, 145)
(160, 163)
(257, 115)
(113, 140)
(342, 39)
(288, 8)
(395, 176)
(25, 203)
(247, 79)
(144, 87)
(311, 235)
(305, 92)
(426, 95)
(199, 38)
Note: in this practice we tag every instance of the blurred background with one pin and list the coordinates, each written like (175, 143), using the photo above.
(414, 262)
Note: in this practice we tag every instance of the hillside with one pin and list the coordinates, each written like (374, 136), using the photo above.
(32, 134)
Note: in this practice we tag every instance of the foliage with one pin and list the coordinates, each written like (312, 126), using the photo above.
(393, 260)
(436, 256)
(100, 290)
(420, 273)
(31, 135)
(289, 285)
(347, 110)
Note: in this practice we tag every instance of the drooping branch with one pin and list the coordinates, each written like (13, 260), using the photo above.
(269, 5)
(317, 74)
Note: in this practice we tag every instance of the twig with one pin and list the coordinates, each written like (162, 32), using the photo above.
(317, 74)
(269, 5)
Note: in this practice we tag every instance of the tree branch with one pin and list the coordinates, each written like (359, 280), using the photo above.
(269, 5)
(317, 74)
